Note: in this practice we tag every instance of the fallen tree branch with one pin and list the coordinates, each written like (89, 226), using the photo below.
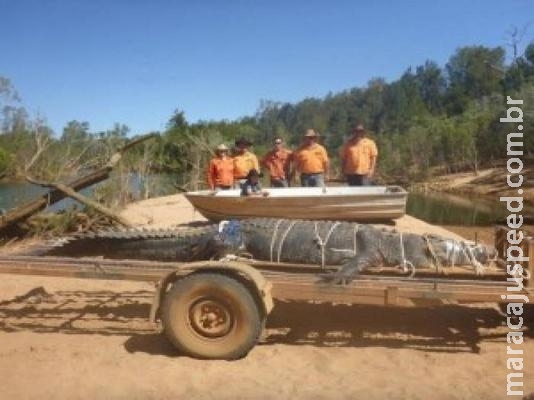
(56, 194)
(84, 200)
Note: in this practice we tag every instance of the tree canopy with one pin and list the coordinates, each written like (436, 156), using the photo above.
(432, 118)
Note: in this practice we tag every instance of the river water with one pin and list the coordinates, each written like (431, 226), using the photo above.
(435, 208)
(14, 194)
(449, 209)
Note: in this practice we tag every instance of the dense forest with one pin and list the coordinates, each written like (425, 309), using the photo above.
(432, 119)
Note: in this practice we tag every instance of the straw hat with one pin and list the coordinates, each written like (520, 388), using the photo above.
(222, 147)
(359, 128)
(310, 133)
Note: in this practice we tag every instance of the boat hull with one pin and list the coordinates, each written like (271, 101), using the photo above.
(373, 203)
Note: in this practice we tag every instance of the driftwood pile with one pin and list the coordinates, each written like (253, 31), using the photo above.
(58, 191)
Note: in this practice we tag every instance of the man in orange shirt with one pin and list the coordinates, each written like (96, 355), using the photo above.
(221, 170)
(358, 158)
(311, 160)
(278, 162)
(244, 161)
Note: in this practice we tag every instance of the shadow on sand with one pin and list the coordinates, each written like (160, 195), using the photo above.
(445, 328)
(442, 329)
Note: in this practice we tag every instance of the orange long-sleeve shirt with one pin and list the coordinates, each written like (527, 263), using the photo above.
(221, 172)
(277, 162)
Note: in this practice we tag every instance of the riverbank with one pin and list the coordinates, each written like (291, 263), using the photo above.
(490, 183)
(86, 339)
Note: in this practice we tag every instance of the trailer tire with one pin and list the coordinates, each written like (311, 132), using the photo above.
(211, 316)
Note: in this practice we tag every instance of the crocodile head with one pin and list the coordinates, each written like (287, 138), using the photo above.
(484, 254)
(454, 252)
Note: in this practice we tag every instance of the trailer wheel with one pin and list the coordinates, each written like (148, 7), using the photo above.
(211, 316)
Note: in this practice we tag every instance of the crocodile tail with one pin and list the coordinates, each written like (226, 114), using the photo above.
(178, 244)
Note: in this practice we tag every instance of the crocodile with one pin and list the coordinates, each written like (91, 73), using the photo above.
(175, 244)
(348, 247)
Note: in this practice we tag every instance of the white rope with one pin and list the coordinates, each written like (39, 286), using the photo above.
(406, 265)
(355, 232)
(284, 238)
(454, 248)
(403, 256)
(452, 251)
(479, 268)
(236, 257)
(323, 243)
(454, 254)
(222, 224)
(353, 251)
(273, 238)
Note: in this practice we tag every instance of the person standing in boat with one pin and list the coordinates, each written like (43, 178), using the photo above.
(311, 161)
(221, 170)
(278, 163)
(358, 158)
(244, 161)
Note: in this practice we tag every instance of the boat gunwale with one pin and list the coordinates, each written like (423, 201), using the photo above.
(401, 192)
(321, 206)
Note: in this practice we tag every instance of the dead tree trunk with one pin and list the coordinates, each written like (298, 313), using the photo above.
(56, 194)
(84, 200)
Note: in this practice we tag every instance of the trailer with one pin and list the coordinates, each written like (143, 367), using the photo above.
(218, 309)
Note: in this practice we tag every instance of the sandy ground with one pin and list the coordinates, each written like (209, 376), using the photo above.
(82, 339)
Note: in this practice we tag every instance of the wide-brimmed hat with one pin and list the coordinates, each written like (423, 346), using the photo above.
(222, 147)
(311, 133)
(359, 128)
(254, 172)
(243, 142)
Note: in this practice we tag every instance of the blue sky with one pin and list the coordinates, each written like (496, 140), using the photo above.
(134, 62)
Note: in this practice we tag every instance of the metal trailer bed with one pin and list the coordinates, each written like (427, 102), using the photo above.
(216, 309)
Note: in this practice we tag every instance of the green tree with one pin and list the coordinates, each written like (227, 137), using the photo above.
(432, 86)
(5, 161)
(471, 74)
(13, 117)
